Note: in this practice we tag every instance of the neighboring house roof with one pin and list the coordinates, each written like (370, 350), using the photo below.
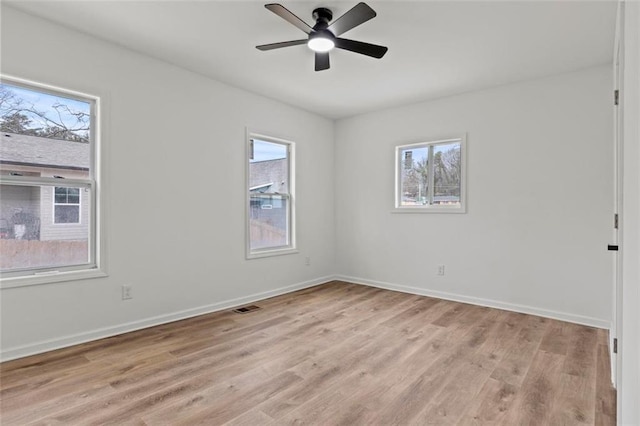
(43, 152)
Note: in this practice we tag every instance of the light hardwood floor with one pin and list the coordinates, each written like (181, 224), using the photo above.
(334, 354)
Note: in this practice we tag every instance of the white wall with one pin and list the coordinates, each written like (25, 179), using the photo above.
(629, 375)
(539, 199)
(173, 139)
(534, 238)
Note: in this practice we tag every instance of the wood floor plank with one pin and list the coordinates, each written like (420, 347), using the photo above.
(492, 342)
(369, 360)
(228, 389)
(56, 387)
(556, 338)
(251, 418)
(535, 400)
(578, 380)
(496, 396)
(605, 406)
(334, 354)
(445, 384)
(404, 390)
(494, 399)
(516, 362)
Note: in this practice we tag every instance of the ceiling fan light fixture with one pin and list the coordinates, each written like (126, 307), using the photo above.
(321, 44)
(324, 35)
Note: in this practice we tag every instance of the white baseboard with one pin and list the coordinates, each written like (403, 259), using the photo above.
(562, 316)
(101, 333)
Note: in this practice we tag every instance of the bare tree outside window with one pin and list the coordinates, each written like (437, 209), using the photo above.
(46, 116)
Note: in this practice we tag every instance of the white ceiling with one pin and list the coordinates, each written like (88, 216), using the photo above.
(436, 48)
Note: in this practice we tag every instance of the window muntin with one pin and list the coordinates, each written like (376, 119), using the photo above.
(48, 179)
(270, 197)
(430, 176)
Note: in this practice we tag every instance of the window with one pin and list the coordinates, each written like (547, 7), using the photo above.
(270, 202)
(48, 184)
(66, 204)
(430, 176)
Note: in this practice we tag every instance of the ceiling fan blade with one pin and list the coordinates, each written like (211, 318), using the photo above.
(322, 61)
(359, 14)
(368, 49)
(281, 44)
(285, 14)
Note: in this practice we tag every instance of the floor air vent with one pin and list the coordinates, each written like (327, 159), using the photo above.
(246, 309)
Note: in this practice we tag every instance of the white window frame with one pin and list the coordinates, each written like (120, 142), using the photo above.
(78, 204)
(431, 208)
(96, 265)
(280, 250)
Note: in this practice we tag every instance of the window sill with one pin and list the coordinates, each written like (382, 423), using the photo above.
(50, 278)
(269, 253)
(410, 210)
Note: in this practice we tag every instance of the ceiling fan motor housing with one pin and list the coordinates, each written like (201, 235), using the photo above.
(323, 16)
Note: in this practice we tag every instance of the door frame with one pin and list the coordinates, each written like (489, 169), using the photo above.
(618, 128)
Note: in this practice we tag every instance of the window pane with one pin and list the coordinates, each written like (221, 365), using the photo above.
(61, 195)
(430, 174)
(74, 196)
(446, 172)
(269, 167)
(269, 214)
(67, 214)
(268, 222)
(30, 238)
(44, 132)
(415, 176)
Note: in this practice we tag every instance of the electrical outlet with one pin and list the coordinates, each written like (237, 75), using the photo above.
(440, 269)
(127, 292)
(307, 260)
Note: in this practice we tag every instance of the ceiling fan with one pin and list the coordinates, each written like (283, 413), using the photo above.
(324, 36)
